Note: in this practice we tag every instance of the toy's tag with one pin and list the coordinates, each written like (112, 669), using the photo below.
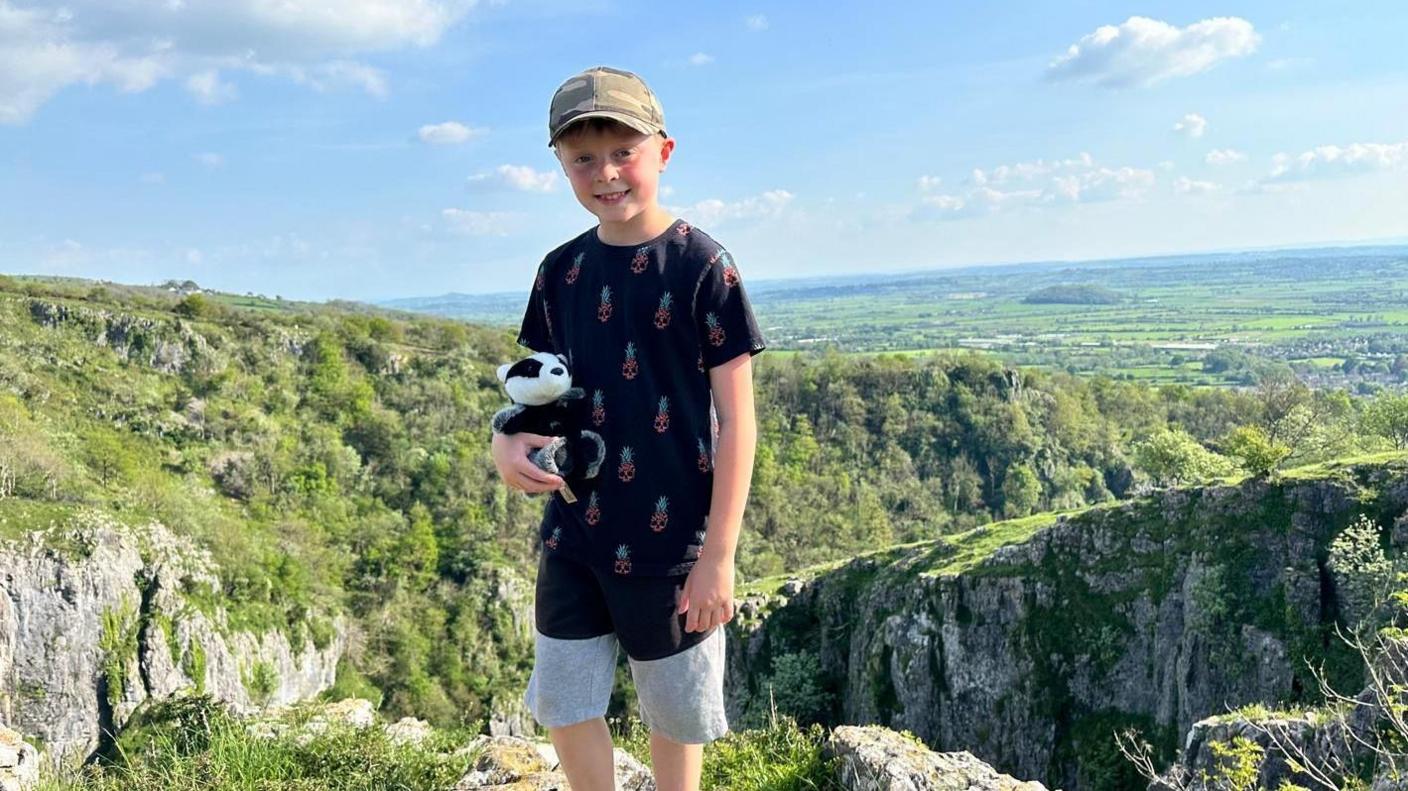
(566, 492)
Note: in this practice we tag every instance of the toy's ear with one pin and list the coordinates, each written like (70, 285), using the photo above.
(503, 371)
(563, 359)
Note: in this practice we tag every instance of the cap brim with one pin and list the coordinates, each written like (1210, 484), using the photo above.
(632, 122)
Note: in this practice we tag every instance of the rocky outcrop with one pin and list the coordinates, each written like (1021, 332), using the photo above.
(879, 759)
(508, 763)
(1030, 643)
(168, 346)
(97, 617)
(19, 762)
(865, 759)
(501, 763)
(1333, 744)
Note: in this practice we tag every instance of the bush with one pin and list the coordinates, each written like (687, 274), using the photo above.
(195, 306)
(1254, 450)
(795, 688)
(1362, 573)
(1172, 456)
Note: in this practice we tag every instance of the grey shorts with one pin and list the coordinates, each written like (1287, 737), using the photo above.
(680, 694)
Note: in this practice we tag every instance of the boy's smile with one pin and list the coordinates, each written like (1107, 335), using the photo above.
(615, 175)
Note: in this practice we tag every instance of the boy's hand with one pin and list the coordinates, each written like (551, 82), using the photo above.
(707, 597)
(511, 458)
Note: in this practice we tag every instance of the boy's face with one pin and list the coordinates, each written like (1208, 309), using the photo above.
(615, 172)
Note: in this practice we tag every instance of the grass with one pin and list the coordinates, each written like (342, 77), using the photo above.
(978, 544)
(952, 554)
(19, 516)
(195, 744)
(770, 585)
(780, 756)
(1330, 468)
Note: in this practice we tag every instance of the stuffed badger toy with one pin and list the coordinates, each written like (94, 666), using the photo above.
(541, 389)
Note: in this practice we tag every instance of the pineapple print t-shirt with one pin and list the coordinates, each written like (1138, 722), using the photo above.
(640, 326)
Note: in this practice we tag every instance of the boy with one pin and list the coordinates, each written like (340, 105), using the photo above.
(652, 318)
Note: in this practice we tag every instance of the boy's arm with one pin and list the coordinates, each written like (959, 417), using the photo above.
(732, 386)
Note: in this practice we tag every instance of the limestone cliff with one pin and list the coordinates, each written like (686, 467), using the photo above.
(1029, 642)
(96, 617)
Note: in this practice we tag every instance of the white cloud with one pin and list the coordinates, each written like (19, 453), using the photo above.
(516, 177)
(1037, 183)
(929, 183)
(1142, 51)
(1330, 161)
(208, 88)
(1189, 186)
(449, 133)
(194, 256)
(210, 159)
(700, 59)
(132, 45)
(713, 211)
(756, 22)
(64, 255)
(342, 73)
(480, 223)
(1224, 156)
(1192, 125)
(37, 60)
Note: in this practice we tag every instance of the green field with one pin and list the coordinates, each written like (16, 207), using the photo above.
(1335, 316)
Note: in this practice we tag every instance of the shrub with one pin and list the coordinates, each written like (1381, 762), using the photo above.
(1255, 451)
(195, 306)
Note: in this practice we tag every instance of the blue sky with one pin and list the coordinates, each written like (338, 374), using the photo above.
(397, 147)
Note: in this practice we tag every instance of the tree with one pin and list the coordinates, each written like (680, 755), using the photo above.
(195, 306)
(1362, 573)
(109, 457)
(1021, 491)
(795, 689)
(419, 553)
(1387, 417)
(1172, 457)
(1281, 397)
(1254, 450)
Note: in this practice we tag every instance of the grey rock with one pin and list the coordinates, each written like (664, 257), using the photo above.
(19, 762)
(509, 763)
(408, 730)
(84, 612)
(878, 759)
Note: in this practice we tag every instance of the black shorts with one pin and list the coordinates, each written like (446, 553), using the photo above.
(574, 601)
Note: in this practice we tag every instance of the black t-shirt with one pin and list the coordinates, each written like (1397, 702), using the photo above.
(640, 326)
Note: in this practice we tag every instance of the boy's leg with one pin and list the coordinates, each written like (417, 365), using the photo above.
(568, 693)
(677, 767)
(681, 700)
(585, 751)
(574, 670)
(679, 675)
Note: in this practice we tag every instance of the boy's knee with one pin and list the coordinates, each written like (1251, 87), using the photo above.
(681, 697)
(571, 680)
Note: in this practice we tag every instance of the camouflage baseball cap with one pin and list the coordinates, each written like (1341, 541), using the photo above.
(604, 92)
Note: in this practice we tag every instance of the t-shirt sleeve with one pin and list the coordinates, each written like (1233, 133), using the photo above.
(536, 330)
(723, 314)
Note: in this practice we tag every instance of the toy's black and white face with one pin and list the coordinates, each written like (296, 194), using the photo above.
(537, 380)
